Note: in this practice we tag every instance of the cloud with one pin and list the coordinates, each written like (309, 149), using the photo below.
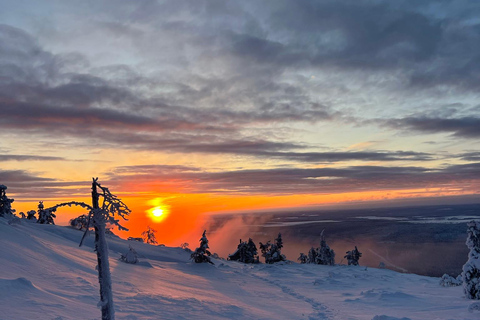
(330, 157)
(470, 156)
(48, 94)
(297, 180)
(22, 157)
(212, 77)
(32, 185)
(465, 127)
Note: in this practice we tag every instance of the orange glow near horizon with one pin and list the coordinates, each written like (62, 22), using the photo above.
(181, 217)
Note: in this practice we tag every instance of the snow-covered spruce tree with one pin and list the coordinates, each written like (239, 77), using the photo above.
(246, 252)
(81, 222)
(5, 203)
(449, 281)
(201, 254)
(279, 241)
(312, 255)
(272, 252)
(303, 258)
(353, 256)
(31, 215)
(130, 257)
(471, 269)
(45, 216)
(239, 254)
(149, 236)
(325, 255)
(100, 215)
(252, 253)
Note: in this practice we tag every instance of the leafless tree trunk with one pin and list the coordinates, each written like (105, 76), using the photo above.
(101, 247)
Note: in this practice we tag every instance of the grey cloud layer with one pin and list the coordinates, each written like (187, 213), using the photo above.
(197, 75)
(298, 180)
(465, 127)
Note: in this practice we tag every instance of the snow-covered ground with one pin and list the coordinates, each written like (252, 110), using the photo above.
(45, 275)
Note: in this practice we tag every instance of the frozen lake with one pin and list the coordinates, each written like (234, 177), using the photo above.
(427, 240)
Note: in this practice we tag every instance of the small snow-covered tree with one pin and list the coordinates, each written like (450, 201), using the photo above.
(45, 216)
(324, 255)
(471, 269)
(272, 252)
(81, 222)
(279, 241)
(201, 254)
(31, 215)
(303, 258)
(312, 255)
(353, 256)
(449, 281)
(149, 236)
(251, 252)
(130, 257)
(5, 203)
(246, 252)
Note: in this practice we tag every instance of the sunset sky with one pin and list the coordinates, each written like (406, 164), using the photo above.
(201, 107)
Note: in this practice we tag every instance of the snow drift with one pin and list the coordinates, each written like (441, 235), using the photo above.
(44, 274)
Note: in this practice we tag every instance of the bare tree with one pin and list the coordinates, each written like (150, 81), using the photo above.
(149, 236)
(108, 212)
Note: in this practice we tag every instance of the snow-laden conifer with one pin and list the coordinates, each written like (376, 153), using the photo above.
(5, 203)
(31, 215)
(449, 281)
(272, 252)
(81, 222)
(353, 256)
(324, 255)
(471, 269)
(246, 252)
(130, 256)
(303, 258)
(45, 216)
(312, 255)
(201, 254)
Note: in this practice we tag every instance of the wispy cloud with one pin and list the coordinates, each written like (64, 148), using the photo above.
(465, 127)
(297, 180)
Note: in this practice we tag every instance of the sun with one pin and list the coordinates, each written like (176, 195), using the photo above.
(158, 212)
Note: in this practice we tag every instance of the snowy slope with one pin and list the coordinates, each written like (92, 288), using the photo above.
(45, 275)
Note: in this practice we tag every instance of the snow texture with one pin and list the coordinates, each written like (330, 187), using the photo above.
(45, 275)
